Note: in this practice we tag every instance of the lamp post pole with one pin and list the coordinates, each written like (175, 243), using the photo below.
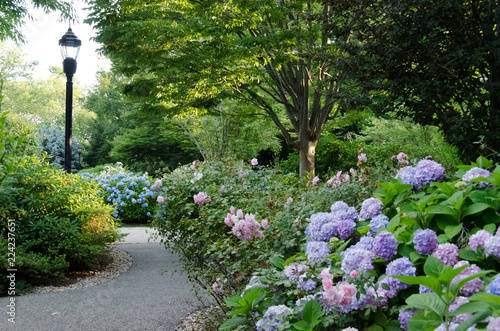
(70, 46)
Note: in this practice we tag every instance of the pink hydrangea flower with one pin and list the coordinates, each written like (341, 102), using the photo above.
(362, 158)
(160, 199)
(217, 289)
(447, 253)
(315, 180)
(254, 162)
(478, 239)
(402, 158)
(339, 295)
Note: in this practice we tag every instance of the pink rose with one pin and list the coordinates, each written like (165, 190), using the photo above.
(254, 162)
(265, 224)
(160, 199)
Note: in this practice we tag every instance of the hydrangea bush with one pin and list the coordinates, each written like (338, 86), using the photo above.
(132, 196)
(423, 253)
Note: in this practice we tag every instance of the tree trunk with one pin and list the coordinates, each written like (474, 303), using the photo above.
(307, 152)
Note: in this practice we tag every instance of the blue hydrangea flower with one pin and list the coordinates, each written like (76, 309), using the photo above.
(294, 270)
(357, 259)
(370, 208)
(407, 175)
(399, 267)
(459, 301)
(473, 286)
(317, 250)
(144, 205)
(364, 242)
(345, 228)
(478, 238)
(341, 211)
(425, 241)
(494, 286)
(377, 223)
(429, 171)
(475, 173)
(273, 318)
(322, 227)
(307, 284)
(492, 246)
(404, 317)
(385, 245)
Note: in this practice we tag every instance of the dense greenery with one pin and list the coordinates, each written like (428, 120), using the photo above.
(187, 55)
(436, 61)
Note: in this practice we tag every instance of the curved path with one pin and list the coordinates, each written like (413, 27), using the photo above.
(140, 299)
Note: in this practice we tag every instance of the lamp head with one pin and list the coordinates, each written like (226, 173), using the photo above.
(70, 45)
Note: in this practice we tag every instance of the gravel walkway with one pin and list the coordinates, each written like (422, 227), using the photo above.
(139, 299)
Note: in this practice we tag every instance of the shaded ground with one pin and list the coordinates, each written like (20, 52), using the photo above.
(140, 299)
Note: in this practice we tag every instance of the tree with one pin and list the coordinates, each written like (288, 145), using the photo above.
(107, 101)
(437, 61)
(15, 13)
(275, 54)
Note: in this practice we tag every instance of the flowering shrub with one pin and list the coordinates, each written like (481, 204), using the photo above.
(132, 195)
(417, 259)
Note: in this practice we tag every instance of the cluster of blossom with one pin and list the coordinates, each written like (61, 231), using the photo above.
(339, 295)
(476, 173)
(370, 208)
(156, 185)
(254, 162)
(426, 172)
(362, 158)
(404, 317)
(294, 271)
(123, 191)
(473, 286)
(288, 203)
(341, 221)
(245, 227)
(401, 157)
(399, 267)
(425, 241)
(385, 245)
(201, 198)
(378, 223)
(196, 177)
(273, 318)
(315, 180)
(494, 286)
(339, 179)
(446, 253)
(218, 286)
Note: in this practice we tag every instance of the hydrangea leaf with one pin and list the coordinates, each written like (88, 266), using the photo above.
(475, 307)
(430, 282)
(475, 208)
(434, 267)
(468, 255)
(476, 318)
(234, 322)
(456, 286)
(428, 301)
(452, 230)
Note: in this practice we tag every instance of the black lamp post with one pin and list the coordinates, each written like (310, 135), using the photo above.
(70, 47)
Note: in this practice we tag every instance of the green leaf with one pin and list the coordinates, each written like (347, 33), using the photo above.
(374, 327)
(476, 306)
(476, 318)
(452, 230)
(423, 320)
(427, 301)
(233, 301)
(483, 162)
(456, 286)
(467, 254)
(441, 209)
(414, 256)
(434, 267)
(491, 228)
(393, 222)
(277, 262)
(310, 316)
(475, 208)
(234, 322)
(430, 282)
(485, 296)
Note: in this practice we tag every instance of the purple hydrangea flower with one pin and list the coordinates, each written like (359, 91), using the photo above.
(346, 228)
(475, 173)
(428, 171)
(317, 250)
(383, 293)
(307, 284)
(451, 327)
(294, 270)
(407, 175)
(494, 324)
(342, 211)
(492, 246)
(385, 245)
(322, 227)
(357, 259)
(377, 223)
(399, 267)
(425, 241)
(273, 318)
(472, 286)
(404, 317)
(370, 208)
(459, 301)
(478, 238)
(447, 253)
(494, 286)
(424, 289)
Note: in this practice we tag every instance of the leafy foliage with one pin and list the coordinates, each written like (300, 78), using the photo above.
(59, 219)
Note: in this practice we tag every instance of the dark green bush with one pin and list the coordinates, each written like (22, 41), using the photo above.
(60, 219)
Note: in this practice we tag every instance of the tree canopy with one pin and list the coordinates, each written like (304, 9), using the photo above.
(13, 14)
(437, 61)
(191, 54)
